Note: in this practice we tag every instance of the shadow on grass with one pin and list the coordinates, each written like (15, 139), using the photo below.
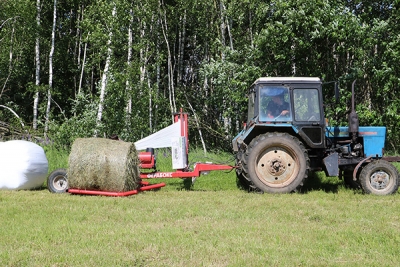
(317, 183)
(187, 184)
(39, 188)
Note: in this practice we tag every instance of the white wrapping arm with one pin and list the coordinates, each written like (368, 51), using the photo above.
(162, 138)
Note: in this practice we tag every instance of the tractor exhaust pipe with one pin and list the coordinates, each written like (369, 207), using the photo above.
(353, 118)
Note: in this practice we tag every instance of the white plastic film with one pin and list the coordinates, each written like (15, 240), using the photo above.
(23, 165)
(162, 138)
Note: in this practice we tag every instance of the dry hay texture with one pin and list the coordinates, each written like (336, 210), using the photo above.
(103, 164)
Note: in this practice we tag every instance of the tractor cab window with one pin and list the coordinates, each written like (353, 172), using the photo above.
(306, 105)
(274, 104)
(250, 110)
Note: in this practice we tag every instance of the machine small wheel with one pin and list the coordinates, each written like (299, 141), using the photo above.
(57, 182)
(380, 178)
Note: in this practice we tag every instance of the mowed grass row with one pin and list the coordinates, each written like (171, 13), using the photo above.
(209, 223)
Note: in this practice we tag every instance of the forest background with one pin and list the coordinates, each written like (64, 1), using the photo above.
(80, 68)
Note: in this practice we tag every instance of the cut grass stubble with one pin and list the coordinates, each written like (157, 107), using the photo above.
(199, 228)
(209, 223)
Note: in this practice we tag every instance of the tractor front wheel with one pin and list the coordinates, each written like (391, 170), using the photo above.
(379, 177)
(277, 163)
(57, 182)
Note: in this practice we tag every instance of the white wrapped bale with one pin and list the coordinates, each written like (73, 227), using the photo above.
(23, 165)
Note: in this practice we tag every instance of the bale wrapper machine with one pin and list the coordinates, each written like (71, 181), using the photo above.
(174, 136)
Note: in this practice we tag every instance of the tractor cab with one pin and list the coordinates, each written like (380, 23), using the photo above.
(287, 104)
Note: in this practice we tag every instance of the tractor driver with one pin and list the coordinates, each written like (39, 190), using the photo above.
(277, 107)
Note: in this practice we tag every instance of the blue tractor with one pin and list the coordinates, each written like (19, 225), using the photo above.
(286, 137)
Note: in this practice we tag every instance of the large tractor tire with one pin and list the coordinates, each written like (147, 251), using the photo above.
(379, 177)
(242, 181)
(276, 163)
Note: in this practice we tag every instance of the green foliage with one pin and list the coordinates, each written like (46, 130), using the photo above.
(214, 57)
(82, 124)
(57, 157)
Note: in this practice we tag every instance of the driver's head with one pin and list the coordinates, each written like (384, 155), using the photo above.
(278, 99)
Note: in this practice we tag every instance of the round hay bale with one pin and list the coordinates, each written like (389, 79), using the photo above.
(103, 164)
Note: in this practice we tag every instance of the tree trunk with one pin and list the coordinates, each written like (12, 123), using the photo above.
(82, 69)
(196, 119)
(104, 77)
(10, 65)
(37, 64)
(181, 47)
(14, 113)
(222, 27)
(128, 86)
(171, 88)
(77, 55)
(53, 36)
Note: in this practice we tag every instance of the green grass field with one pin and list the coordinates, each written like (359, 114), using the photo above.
(209, 223)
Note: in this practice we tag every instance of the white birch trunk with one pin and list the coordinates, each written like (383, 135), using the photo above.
(142, 55)
(128, 86)
(222, 26)
(82, 69)
(182, 40)
(293, 48)
(78, 45)
(143, 69)
(104, 77)
(171, 88)
(150, 106)
(10, 65)
(53, 36)
(251, 30)
(14, 113)
(225, 27)
(37, 65)
(196, 119)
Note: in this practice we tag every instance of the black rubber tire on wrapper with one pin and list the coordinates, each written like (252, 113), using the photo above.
(104, 165)
(379, 177)
(57, 182)
(277, 163)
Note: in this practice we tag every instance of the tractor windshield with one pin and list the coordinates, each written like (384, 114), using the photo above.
(274, 104)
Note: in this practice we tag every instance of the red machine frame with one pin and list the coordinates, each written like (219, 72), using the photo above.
(144, 186)
(147, 159)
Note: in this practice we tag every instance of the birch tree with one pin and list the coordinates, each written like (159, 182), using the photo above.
(104, 78)
(128, 86)
(170, 71)
(10, 65)
(37, 65)
(53, 36)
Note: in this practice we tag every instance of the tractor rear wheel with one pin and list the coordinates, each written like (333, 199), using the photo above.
(57, 182)
(379, 177)
(277, 163)
(242, 181)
